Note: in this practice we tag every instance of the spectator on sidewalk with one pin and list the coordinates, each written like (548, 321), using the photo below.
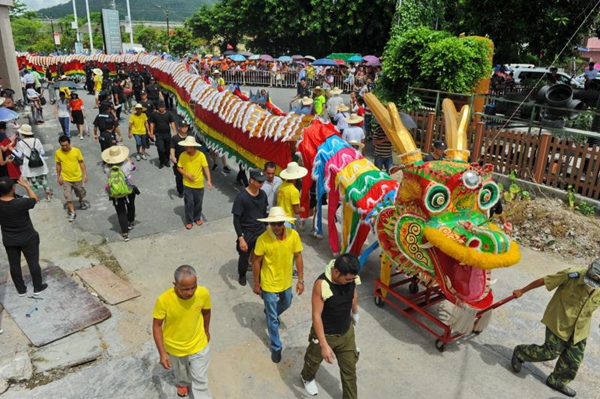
(71, 174)
(162, 123)
(77, 115)
(62, 111)
(37, 176)
(181, 331)
(191, 164)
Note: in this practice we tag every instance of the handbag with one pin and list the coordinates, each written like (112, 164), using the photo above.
(43, 100)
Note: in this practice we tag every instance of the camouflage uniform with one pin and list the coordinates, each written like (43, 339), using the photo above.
(568, 318)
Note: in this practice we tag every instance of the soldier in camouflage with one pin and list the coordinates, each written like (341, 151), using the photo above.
(568, 319)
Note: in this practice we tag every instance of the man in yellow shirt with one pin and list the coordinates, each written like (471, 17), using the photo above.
(139, 128)
(288, 196)
(180, 327)
(191, 164)
(568, 319)
(98, 79)
(274, 253)
(71, 173)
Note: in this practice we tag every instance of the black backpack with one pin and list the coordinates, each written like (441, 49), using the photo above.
(35, 159)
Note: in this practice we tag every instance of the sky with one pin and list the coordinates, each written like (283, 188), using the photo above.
(37, 4)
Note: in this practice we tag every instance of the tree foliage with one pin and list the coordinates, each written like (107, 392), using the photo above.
(303, 26)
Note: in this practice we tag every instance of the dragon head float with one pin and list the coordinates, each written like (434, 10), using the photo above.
(438, 228)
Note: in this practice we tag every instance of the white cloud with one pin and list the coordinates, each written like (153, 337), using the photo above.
(38, 4)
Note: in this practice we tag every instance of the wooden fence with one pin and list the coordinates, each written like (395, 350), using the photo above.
(541, 158)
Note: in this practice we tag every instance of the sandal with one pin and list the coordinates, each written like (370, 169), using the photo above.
(182, 391)
(188, 226)
(198, 222)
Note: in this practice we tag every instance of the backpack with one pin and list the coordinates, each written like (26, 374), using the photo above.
(117, 183)
(35, 159)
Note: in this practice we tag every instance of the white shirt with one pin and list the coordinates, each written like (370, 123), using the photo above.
(63, 110)
(271, 190)
(340, 120)
(31, 93)
(22, 147)
(591, 74)
(29, 78)
(354, 133)
(332, 104)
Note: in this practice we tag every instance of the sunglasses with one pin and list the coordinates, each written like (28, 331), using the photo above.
(279, 224)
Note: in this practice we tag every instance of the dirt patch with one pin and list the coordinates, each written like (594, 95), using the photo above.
(548, 225)
(101, 253)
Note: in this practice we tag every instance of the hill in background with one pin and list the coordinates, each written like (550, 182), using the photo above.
(141, 10)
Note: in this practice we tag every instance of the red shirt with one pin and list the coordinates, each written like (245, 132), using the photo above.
(360, 112)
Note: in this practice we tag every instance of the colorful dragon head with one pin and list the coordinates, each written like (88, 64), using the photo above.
(438, 229)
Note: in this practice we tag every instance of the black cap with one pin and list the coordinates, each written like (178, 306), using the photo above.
(143, 92)
(183, 122)
(439, 144)
(161, 104)
(258, 175)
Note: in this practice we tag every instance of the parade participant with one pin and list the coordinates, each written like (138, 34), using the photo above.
(162, 123)
(77, 116)
(340, 118)
(176, 150)
(71, 174)
(334, 316)
(120, 188)
(181, 331)
(34, 167)
(319, 101)
(439, 150)
(139, 128)
(568, 320)
(305, 106)
(354, 133)
(138, 86)
(153, 92)
(288, 196)
(249, 205)
(118, 97)
(275, 251)
(302, 91)
(98, 79)
(19, 236)
(272, 184)
(191, 164)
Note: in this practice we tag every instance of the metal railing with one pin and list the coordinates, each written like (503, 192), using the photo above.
(280, 79)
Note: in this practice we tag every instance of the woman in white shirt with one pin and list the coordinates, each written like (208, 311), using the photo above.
(62, 111)
(38, 176)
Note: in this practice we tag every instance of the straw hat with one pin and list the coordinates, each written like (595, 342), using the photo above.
(306, 101)
(64, 77)
(190, 141)
(335, 91)
(216, 72)
(2, 100)
(342, 107)
(356, 144)
(319, 89)
(139, 106)
(25, 130)
(97, 71)
(276, 214)
(115, 154)
(293, 171)
(354, 119)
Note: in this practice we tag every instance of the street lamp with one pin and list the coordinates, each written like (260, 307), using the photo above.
(166, 12)
(52, 33)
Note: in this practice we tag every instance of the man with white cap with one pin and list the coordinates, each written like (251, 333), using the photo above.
(288, 196)
(568, 319)
(354, 132)
(191, 164)
(275, 251)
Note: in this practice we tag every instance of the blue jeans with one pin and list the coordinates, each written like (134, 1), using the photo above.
(65, 124)
(192, 198)
(275, 304)
(383, 163)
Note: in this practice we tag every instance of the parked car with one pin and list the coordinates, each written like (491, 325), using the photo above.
(533, 75)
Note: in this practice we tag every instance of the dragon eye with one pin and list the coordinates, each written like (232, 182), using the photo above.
(437, 198)
(471, 179)
(488, 196)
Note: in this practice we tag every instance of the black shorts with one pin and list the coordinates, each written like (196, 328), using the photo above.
(78, 117)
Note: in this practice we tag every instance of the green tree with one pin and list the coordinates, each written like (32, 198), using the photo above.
(19, 10)
(149, 37)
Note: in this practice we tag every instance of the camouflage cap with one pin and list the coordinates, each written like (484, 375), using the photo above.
(592, 277)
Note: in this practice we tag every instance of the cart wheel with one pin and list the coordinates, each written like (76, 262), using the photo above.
(413, 288)
(378, 301)
(440, 346)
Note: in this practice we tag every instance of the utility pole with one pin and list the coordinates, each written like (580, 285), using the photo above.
(76, 27)
(130, 25)
(87, 8)
(52, 33)
(166, 12)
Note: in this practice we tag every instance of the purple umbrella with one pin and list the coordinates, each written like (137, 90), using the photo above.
(374, 63)
(369, 58)
(266, 57)
(297, 57)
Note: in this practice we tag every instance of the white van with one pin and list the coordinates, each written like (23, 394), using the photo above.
(533, 75)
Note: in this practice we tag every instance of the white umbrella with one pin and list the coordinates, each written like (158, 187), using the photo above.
(310, 57)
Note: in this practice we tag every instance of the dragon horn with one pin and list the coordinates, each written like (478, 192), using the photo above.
(456, 131)
(394, 129)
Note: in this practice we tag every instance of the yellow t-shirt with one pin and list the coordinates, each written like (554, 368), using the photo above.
(138, 123)
(193, 165)
(183, 326)
(288, 196)
(276, 270)
(69, 162)
(98, 82)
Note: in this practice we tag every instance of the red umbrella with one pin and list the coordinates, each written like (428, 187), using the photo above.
(340, 62)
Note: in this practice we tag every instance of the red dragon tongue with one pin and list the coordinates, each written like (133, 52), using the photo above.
(469, 282)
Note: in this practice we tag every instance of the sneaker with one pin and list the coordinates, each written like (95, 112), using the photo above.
(80, 137)
(276, 356)
(130, 227)
(310, 386)
(42, 288)
(138, 157)
(23, 294)
(565, 390)
(144, 157)
(72, 216)
(180, 195)
(125, 237)
(82, 205)
(242, 280)
(226, 169)
(317, 235)
(295, 273)
(182, 391)
(515, 362)
(162, 165)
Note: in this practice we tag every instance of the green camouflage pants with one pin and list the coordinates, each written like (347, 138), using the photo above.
(569, 356)
(344, 348)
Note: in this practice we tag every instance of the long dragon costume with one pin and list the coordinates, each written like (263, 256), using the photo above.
(431, 221)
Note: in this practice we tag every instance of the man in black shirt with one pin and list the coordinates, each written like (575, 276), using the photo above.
(334, 312)
(118, 97)
(108, 136)
(161, 125)
(153, 91)
(150, 107)
(302, 90)
(19, 236)
(105, 116)
(249, 205)
(439, 150)
(138, 85)
(176, 151)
